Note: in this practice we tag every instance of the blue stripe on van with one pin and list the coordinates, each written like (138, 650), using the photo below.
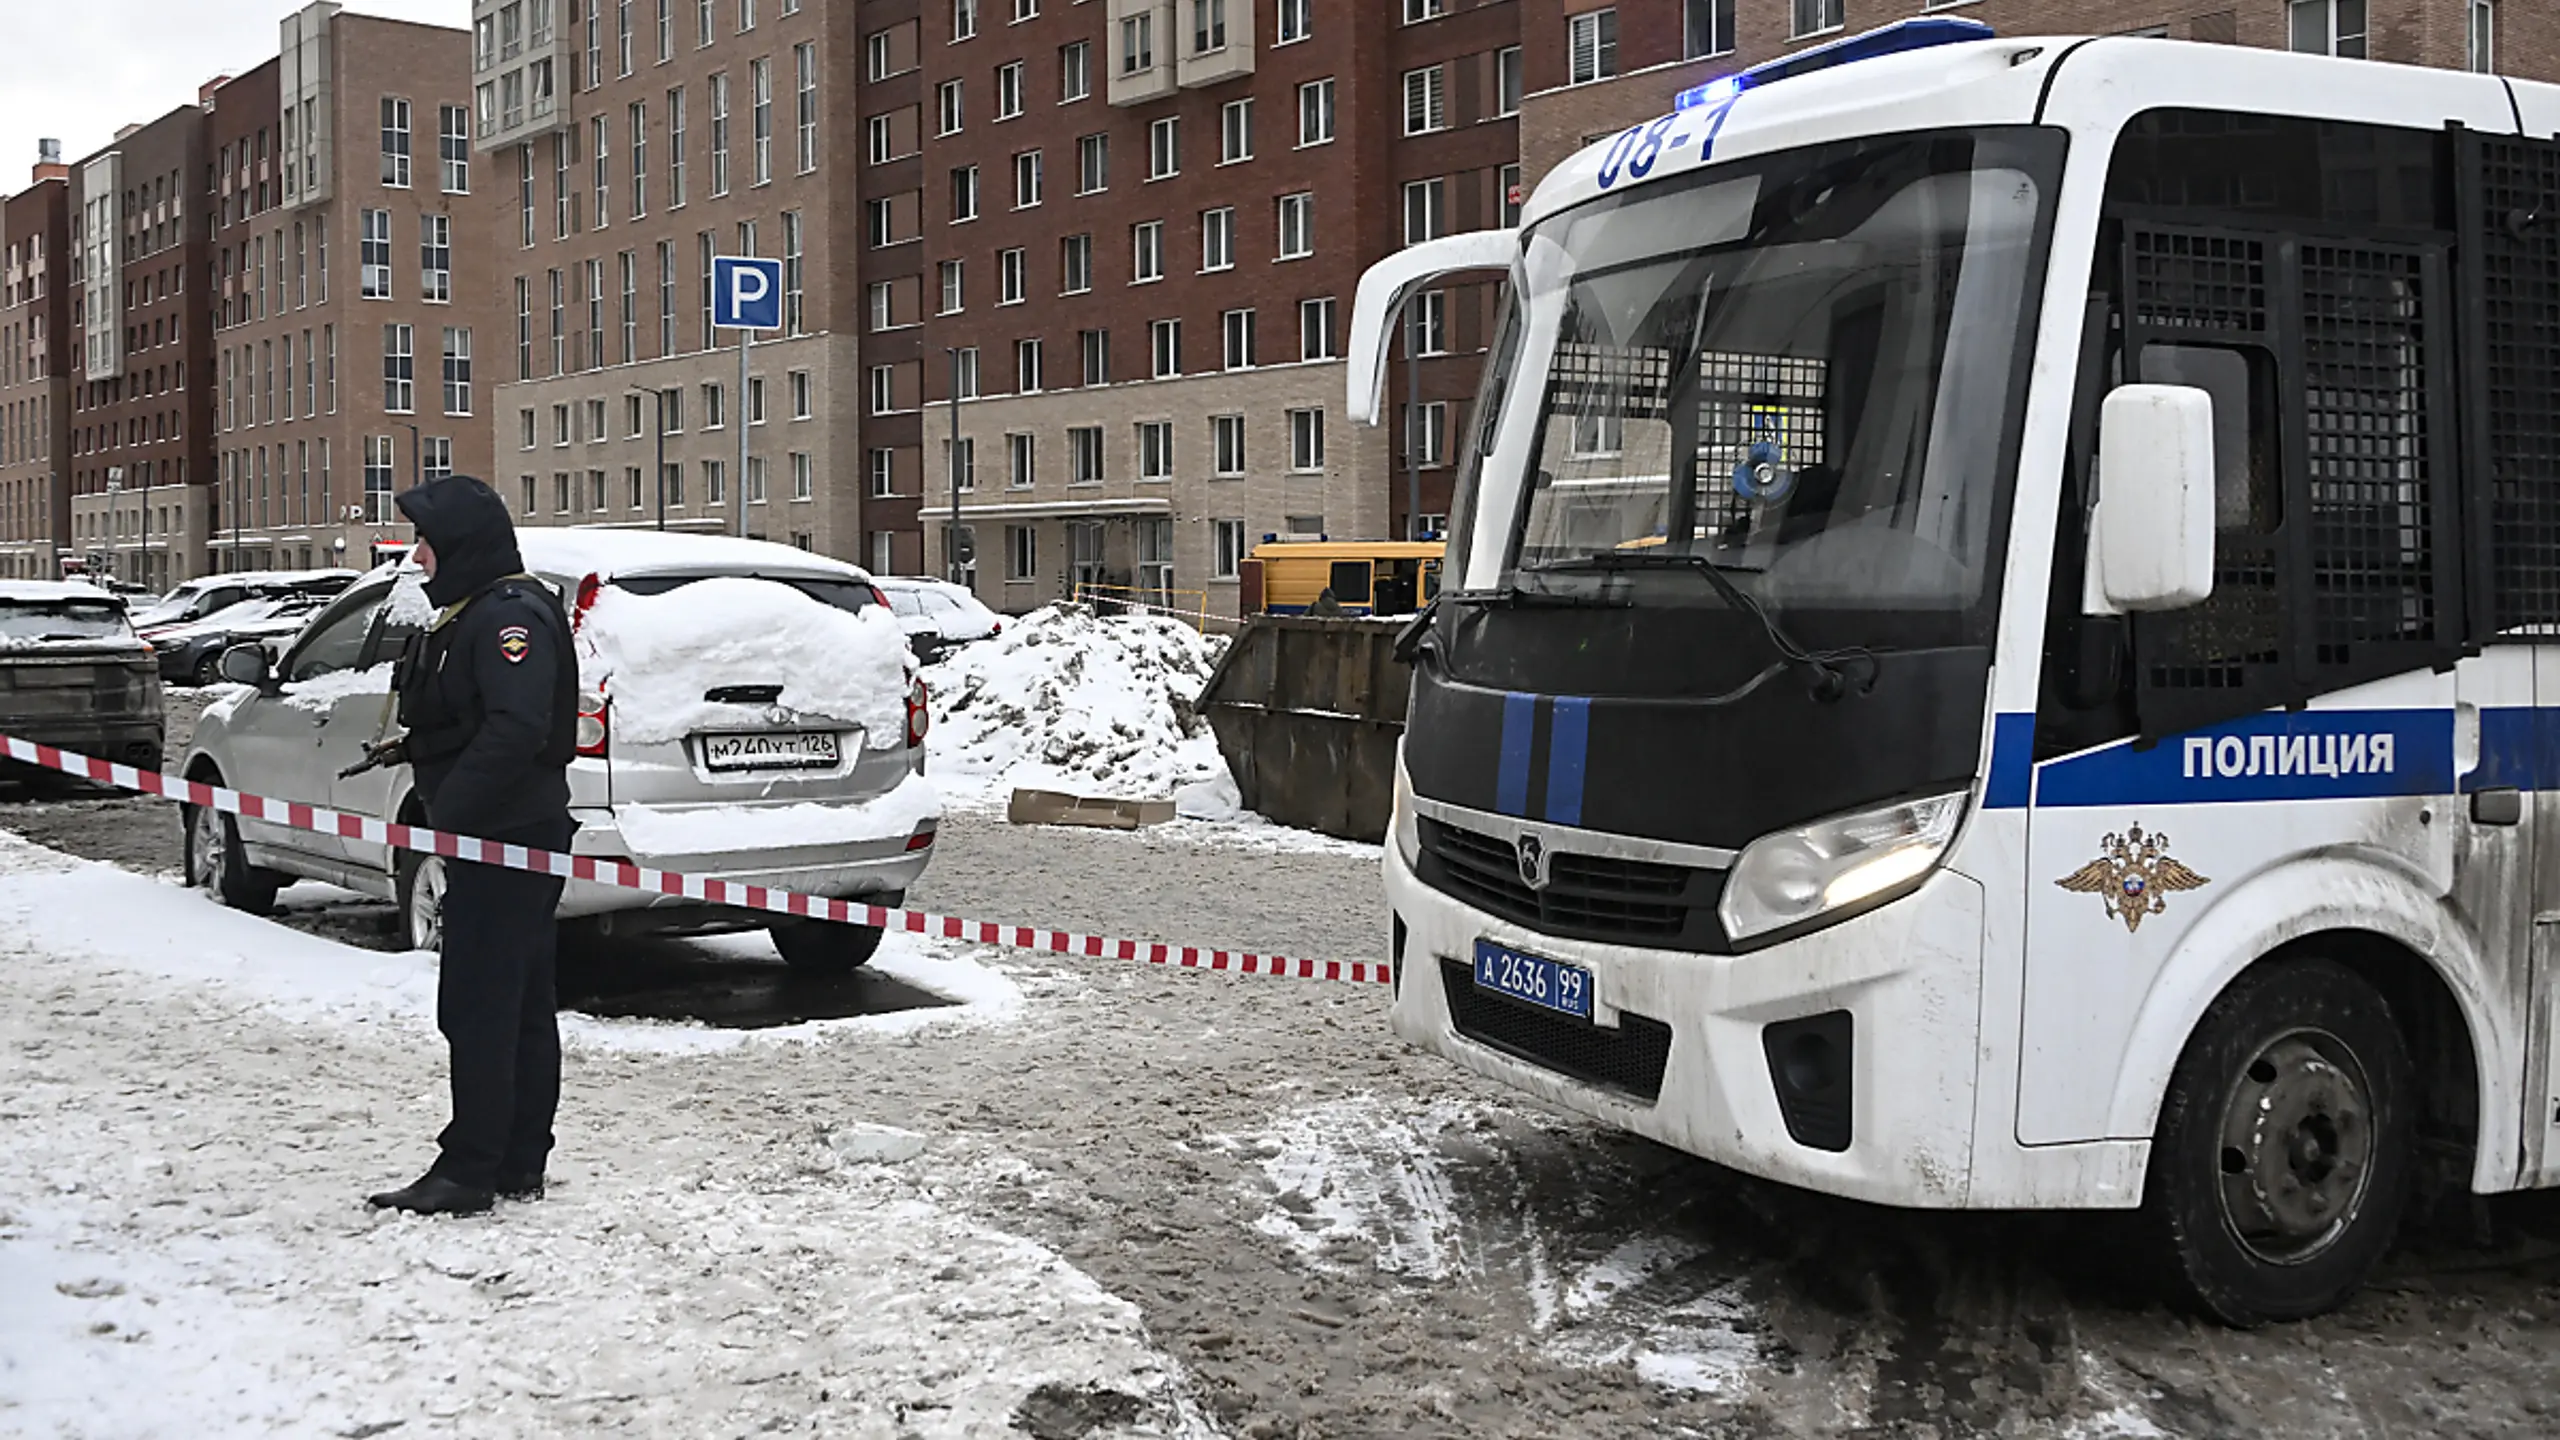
(1519, 732)
(1568, 746)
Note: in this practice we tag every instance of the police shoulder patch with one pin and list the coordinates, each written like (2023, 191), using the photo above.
(513, 642)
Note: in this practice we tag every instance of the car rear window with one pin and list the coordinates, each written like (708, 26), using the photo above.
(842, 594)
(38, 620)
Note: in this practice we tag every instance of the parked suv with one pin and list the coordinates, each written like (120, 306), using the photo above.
(74, 675)
(701, 754)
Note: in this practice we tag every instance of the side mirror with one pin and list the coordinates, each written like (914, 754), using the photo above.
(2151, 541)
(246, 665)
(1380, 302)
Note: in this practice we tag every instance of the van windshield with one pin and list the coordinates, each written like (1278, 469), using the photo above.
(29, 622)
(1801, 370)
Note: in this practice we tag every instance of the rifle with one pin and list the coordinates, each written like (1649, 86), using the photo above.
(381, 753)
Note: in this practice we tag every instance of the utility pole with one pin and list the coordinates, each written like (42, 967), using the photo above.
(417, 457)
(951, 547)
(1413, 419)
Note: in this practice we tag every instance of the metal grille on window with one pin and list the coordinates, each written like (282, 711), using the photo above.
(2511, 226)
(2373, 524)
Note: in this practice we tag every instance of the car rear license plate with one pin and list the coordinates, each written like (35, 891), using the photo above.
(1547, 984)
(781, 750)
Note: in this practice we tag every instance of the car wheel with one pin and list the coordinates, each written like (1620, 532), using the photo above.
(421, 897)
(216, 863)
(2282, 1159)
(821, 947)
(209, 669)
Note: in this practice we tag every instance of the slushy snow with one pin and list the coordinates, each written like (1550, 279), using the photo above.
(1064, 700)
(656, 656)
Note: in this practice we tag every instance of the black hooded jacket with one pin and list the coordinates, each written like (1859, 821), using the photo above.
(489, 696)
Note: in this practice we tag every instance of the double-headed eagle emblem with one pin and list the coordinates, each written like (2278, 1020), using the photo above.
(2134, 874)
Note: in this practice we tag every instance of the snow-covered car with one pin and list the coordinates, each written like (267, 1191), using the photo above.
(747, 712)
(207, 595)
(74, 675)
(937, 615)
(192, 654)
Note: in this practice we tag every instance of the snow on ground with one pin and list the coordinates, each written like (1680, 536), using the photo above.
(1068, 701)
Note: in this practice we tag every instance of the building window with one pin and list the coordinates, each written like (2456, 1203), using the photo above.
(666, 298)
(1426, 100)
(953, 272)
(720, 134)
(1084, 455)
(755, 400)
(1296, 21)
(1315, 329)
(1315, 112)
(671, 409)
(435, 457)
(1427, 324)
(804, 58)
(760, 88)
(1094, 348)
(1146, 251)
(1218, 238)
(1021, 550)
(1164, 339)
(964, 194)
(799, 385)
(1306, 440)
(879, 61)
(1028, 377)
(675, 148)
(884, 474)
(964, 20)
(1297, 226)
(2326, 27)
(377, 479)
(1155, 449)
(1592, 42)
(1227, 538)
(1075, 72)
(1137, 44)
(374, 254)
(2484, 31)
(453, 148)
(1235, 330)
(1093, 164)
(1026, 179)
(715, 482)
(1229, 433)
(1708, 27)
(715, 406)
(457, 370)
(1426, 210)
(1812, 17)
(1075, 265)
(1009, 91)
(1507, 183)
(1424, 426)
(399, 369)
(963, 467)
(524, 328)
(1021, 461)
(564, 205)
(639, 132)
(1012, 277)
(947, 100)
(964, 372)
(883, 130)
(1164, 148)
(395, 143)
(435, 258)
(1419, 10)
(803, 479)
(1507, 86)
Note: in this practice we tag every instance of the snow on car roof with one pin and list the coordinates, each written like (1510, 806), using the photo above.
(608, 553)
(40, 592)
(264, 577)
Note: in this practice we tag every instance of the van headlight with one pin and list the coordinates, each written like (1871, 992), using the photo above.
(1407, 830)
(1796, 875)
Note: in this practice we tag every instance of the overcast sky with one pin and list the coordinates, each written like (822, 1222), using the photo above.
(80, 69)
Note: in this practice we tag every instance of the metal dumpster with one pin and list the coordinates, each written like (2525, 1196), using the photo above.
(1307, 713)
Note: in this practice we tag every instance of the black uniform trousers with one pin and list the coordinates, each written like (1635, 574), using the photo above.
(497, 1002)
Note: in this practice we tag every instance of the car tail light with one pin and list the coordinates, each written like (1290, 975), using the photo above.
(879, 597)
(594, 727)
(588, 590)
(921, 840)
(919, 719)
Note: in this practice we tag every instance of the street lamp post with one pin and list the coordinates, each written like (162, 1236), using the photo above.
(659, 399)
(951, 546)
(115, 520)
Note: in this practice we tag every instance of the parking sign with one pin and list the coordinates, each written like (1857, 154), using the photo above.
(746, 293)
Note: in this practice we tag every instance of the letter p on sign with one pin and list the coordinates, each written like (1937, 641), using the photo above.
(746, 294)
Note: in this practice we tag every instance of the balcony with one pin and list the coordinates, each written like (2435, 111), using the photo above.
(1141, 53)
(1217, 41)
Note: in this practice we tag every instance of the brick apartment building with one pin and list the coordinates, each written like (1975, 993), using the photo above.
(1141, 228)
(631, 141)
(353, 287)
(35, 370)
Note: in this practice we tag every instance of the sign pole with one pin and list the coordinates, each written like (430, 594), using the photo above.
(739, 418)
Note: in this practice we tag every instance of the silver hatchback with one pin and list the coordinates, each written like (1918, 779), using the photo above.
(747, 789)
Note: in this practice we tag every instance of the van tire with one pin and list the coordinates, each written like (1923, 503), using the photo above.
(2283, 1157)
(216, 863)
(822, 947)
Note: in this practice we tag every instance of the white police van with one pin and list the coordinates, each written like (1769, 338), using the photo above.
(1989, 651)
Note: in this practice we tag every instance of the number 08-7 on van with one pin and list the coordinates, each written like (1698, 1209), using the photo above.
(1992, 646)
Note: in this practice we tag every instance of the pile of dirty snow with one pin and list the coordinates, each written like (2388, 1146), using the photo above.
(1065, 700)
(655, 656)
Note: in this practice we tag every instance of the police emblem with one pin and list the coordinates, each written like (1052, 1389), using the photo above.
(2134, 874)
(513, 642)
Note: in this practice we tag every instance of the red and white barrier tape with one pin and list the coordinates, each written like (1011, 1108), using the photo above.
(624, 875)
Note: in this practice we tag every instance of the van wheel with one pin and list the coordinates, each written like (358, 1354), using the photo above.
(216, 863)
(821, 947)
(2282, 1161)
(420, 890)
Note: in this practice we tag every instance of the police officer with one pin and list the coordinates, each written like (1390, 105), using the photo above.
(488, 701)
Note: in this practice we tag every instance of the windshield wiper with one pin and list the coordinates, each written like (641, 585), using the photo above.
(1830, 682)
(1520, 598)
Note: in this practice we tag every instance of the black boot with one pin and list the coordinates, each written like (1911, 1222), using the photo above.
(520, 1187)
(432, 1194)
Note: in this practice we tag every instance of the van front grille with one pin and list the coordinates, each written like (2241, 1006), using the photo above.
(1591, 897)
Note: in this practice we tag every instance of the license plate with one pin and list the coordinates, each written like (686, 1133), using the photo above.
(786, 750)
(1547, 984)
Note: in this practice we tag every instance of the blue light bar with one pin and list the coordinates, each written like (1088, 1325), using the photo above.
(1894, 39)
